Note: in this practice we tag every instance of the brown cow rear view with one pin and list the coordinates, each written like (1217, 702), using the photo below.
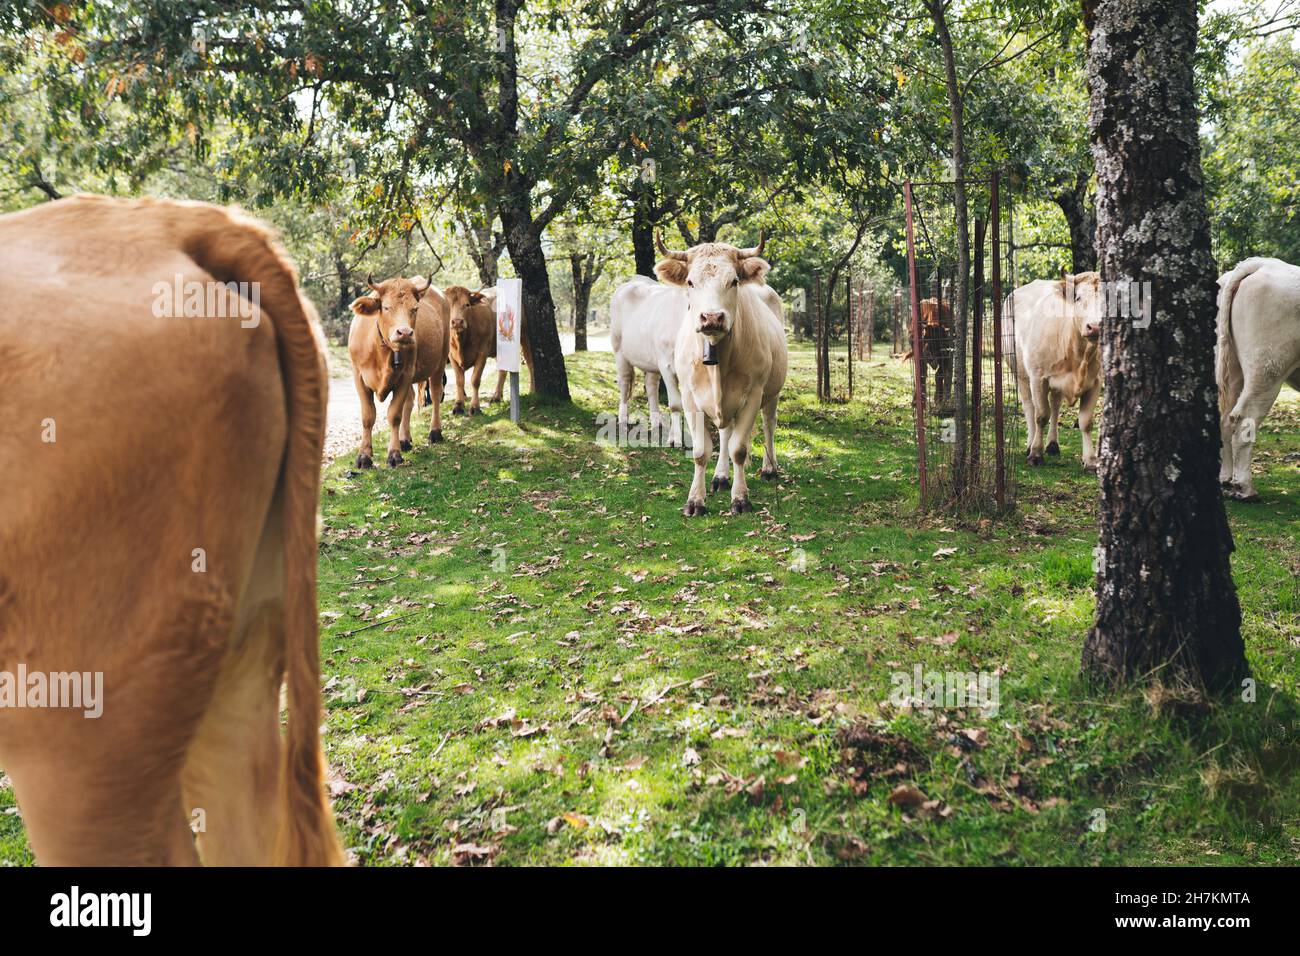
(159, 529)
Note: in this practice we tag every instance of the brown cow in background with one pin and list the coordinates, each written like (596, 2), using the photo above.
(474, 341)
(936, 347)
(394, 342)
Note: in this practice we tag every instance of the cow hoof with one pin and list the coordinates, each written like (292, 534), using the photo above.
(1053, 449)
(395, 458)
(1035, 460)
(406, 444)
(674, 441)
(1090, 468)
(694, 508)
(365, 461)
(740, 505)
(1237, 494)
(475, 410)
(769, 475)
(458, 409)
(719, 483)
(435, 436)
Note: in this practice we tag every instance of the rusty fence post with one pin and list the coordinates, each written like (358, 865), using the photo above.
(1000, 477)
(977, 354)
(918, 359)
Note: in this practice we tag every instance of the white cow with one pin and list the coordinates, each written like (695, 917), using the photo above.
(644, 316)
(730, 306)
(1258, 350)
(1053, 328)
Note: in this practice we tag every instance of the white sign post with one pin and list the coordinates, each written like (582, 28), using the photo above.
(510, 312)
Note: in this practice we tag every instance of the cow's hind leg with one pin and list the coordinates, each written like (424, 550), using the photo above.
(625, 374)
(475, 380)
(769, 472)
(405, 438)
(1087, 404)
(1053, 446)
(106, 790)
(435, 416)
(674, 405)
(233, 768)
(1245, 418)
(652, 401)
(1042, 410)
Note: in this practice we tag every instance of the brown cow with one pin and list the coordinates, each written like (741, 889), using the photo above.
(161, 544)
(474, 341)
(395, 341)
(936, 346)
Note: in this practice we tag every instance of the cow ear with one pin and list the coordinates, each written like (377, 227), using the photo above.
(753, 269)
(672, 271)
(366, 305)
(476, 297)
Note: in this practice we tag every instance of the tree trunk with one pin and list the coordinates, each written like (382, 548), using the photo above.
(1166, 606)
(584, 277)
(960, 296)
(643, 231)
(1081, 219)
(345, 287)
(484, 248)
(529, 259)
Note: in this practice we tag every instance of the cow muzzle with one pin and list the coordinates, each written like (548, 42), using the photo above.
(1091, 330)
(713, 323)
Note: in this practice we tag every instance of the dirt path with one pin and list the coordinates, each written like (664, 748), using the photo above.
(343, 420)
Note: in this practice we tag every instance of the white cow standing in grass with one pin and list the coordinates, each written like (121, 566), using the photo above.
(728, 304)
(1258, 350)
(1051, 331)
(644, 316)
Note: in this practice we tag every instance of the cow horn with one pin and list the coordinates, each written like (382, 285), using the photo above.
(670, 253)
(758, 249)
(370, 281)
(428, 284)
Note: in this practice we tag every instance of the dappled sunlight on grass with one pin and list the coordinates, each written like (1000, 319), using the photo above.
(600, 680)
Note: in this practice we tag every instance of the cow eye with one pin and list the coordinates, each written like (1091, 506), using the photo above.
(735, 282)
(690, 283)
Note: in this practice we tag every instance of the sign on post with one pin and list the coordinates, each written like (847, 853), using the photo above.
(510, 311)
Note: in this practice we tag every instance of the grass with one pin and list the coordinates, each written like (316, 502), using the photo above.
(531, 657)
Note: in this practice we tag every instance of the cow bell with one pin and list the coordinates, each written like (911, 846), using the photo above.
(710, 352)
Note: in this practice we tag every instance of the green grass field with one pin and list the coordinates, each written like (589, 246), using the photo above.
(531, 657)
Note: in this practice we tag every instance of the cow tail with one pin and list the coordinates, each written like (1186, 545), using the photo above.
(1226, 363)
(232, 247)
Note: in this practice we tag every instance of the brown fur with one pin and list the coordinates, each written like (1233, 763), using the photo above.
(187, 433)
